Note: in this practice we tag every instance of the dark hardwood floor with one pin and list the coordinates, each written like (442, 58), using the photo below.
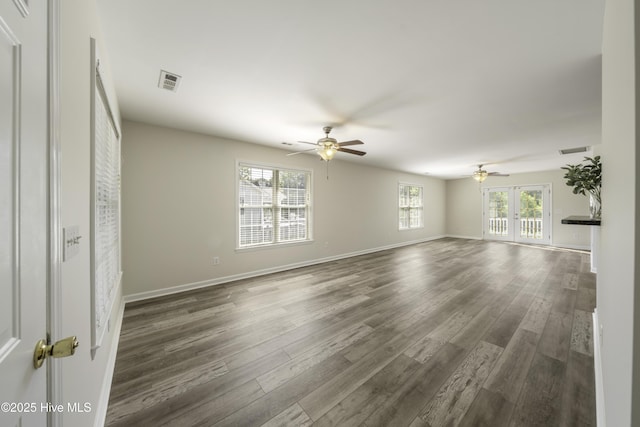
(444, 333)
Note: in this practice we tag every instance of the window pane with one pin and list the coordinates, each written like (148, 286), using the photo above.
(531, 214)
(256, 212)
(410, 206)
(292, 198)
(498, 212)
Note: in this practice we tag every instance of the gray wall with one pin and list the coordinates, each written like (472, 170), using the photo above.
(464, 206)
(179, 208)
(617, 295)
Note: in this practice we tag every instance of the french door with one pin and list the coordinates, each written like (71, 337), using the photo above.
(517, 214)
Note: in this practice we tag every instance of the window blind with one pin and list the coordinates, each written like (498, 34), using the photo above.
(105, 259)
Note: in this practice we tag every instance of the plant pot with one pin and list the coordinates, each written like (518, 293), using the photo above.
(594, 205)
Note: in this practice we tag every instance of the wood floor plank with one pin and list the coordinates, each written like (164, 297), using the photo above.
(578, 394)
(586, 299)
(540, 399)
(283, 373)
(292, 416)
(582, 333)
(208, 410)
(325, 397)
(510, 371)
(456, 396)
(564, 301)
(536, 317)
(425, 348)
(570, 281)
(502, 330)
(400, 408)
(271, 404)
(358, 405)
(488, 410)
(167, 388)
(556, 336)
(331, 343)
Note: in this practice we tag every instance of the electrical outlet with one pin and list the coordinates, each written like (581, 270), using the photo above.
(216, 260)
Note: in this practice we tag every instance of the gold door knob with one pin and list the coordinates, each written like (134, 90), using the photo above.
(63, 348)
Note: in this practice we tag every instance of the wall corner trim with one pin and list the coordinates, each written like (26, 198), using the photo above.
(597, 366)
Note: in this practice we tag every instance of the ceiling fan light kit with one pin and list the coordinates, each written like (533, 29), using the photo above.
(327, 152)
(480, 175)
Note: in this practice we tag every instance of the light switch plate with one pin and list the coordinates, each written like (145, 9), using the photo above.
(71, 242)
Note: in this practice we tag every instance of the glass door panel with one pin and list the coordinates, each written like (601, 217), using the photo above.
(497, 214)
(532, 214)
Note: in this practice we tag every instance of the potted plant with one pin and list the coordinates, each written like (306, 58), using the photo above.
(586, 177)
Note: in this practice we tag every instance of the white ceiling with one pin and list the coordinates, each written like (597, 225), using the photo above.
(430, 86)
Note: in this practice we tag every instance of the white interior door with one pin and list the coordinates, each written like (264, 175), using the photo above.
(23, 209)
(518, 214)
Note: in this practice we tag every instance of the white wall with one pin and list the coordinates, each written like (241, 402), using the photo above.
(464, 206)
(83, 379)
(617, 295)
(179, 208)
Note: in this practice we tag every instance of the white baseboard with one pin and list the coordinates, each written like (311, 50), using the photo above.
(105, 390)
(455, 236)
(576, 247)
(226, 279)
(597, 365)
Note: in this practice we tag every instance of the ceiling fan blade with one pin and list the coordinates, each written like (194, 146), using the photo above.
(354, 142)
(300, 152)
(350, 151)
(310, 143)
(498, 174)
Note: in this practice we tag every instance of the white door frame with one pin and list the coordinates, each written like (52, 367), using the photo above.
(54, 282)
(513, 214)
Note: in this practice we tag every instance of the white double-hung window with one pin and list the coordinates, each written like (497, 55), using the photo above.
(410, 212)
(106, 270)
(274, 205)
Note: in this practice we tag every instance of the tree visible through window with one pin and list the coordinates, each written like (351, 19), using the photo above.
(274, 205)
(410, 206)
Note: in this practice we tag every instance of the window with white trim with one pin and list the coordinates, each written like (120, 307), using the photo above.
(274, 205)
(410, 206)
(105, 208)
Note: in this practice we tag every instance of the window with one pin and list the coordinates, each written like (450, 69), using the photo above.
(105, 208)
(410, 206)
(273, 205)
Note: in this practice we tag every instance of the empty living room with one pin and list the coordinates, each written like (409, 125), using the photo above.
(297, 213)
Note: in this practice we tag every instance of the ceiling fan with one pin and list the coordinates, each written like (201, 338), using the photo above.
(328, 147)
(480, 175)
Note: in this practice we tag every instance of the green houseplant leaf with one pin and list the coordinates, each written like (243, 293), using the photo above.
(586, 178)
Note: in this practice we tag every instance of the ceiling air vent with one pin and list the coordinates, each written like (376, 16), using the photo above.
(574, 150)
(169, 81)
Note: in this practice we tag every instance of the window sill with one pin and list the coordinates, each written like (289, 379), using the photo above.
(411, 229)
(275, 245)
